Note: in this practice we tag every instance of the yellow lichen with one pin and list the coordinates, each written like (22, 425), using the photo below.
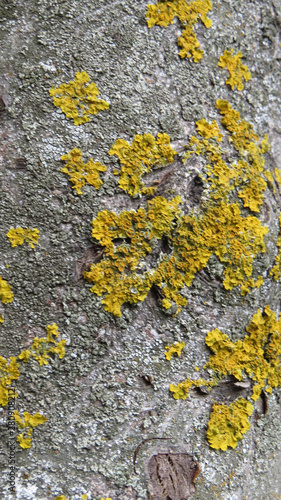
(120, 274)
(80, 172)
(139, 158)
(245, 175)
(28, 422)
(6, 295)
(257, 356)
(41, 347)
(276, 269)
(181, 391)
(277, 173)
(9, 371)
(174, 349)
(209, 130)
(189, 14)
(77, 100)
(227, 424)
(18, 236)
(237, 70)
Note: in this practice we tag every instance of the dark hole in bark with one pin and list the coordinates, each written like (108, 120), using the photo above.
(195, 190)
(2, 105)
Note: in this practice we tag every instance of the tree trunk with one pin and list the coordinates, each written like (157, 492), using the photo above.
(110, 391)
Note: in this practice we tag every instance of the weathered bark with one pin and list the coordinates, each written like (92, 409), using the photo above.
(111, 390)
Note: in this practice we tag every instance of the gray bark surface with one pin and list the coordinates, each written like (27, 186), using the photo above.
(98, 400)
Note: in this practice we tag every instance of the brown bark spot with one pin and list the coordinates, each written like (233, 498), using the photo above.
(172, 475)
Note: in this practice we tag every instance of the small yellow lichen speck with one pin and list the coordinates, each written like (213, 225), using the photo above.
(237, 70)
(80, 172)
(163, 13)
(227, 424)
(174, 349)
(77, 100)
(139, 158)
(19, 235)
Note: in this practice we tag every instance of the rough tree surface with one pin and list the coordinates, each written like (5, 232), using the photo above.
(111, 389)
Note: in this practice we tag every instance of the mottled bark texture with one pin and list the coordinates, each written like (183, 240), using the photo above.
(111, 390)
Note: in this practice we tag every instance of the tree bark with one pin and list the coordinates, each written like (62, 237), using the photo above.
(110, 392)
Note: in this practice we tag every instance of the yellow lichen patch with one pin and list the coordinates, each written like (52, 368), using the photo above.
(139, 158)
(120, 275)
(227, 424)
(41, 347)
(163, 13)
(220, 230)
(9, 371)
(18, 236)
(257, 356)
(237, 70)
(209, 130)
(174, 349)
(276, 270)
(28, 422)
(1, 319)
(277, 173)
(181, 391)
(6, 295)
(80, 172)
(77, 100)
(245, 175)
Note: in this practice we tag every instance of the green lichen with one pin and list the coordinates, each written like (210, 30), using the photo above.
(19, 235)
(79, 172)
(163, 13)
(139, 158)
(77, 100)
(28, 422)
(237, 70)
(227, 424)
(174, 349)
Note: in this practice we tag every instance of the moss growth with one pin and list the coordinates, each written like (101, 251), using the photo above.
(28, 422)
(18, 236)
(227, 424)
(174, 349)
(79, 172)
(77, 100)
(139, 158)
(163, 13)
(236, 69)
